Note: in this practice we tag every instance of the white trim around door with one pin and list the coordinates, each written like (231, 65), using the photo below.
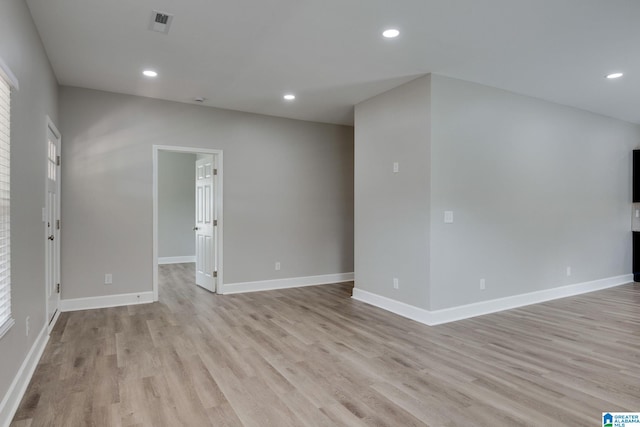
(217, 154)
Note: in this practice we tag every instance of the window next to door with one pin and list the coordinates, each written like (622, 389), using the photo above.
(7, 82)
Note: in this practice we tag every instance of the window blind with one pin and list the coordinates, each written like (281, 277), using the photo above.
(6, 321)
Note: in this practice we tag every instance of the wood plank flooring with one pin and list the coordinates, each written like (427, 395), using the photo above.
(314, 357)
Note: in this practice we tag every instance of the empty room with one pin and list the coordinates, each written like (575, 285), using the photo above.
(319, 213)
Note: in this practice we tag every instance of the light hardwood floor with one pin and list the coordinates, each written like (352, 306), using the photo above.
(314, 357)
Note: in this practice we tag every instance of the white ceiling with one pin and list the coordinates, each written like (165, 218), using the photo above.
(245, 54)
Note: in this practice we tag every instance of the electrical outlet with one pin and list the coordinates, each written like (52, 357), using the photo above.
(396, 167)
(108, 279)
(28, 326)
(568, 271)
(396, 283)
(278, 266)
(482, 285)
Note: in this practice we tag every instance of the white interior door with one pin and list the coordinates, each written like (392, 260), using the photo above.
(206, 222)
(52, 223)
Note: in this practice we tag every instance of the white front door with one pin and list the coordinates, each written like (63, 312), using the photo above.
(52, 223)
(205, 228)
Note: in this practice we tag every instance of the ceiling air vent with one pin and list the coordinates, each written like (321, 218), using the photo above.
(160, 22)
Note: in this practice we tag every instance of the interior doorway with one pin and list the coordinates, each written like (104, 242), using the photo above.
(187, 214)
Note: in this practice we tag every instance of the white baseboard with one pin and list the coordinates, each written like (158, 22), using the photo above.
(18, 387)
(176, 259)
(437, 317)
(293, 282)
(515, 301)
(405, 310)
(105, 301)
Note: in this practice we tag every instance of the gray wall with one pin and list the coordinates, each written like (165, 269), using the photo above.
(534, 186)
(21, 49)
(288, 190)
(392, 209)
(176, 204)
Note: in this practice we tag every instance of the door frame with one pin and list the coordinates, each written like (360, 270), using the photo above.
(217, 156)
(51, 126)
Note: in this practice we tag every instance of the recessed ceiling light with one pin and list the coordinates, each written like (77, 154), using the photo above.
(390, 33)
(150, 73)
(614, 75)
(289, 97)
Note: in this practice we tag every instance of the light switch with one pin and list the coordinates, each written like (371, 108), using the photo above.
(396, 167)
(448, 217)
(637, 213)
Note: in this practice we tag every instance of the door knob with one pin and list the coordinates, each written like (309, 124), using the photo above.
(195, 228)
(51, 237)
